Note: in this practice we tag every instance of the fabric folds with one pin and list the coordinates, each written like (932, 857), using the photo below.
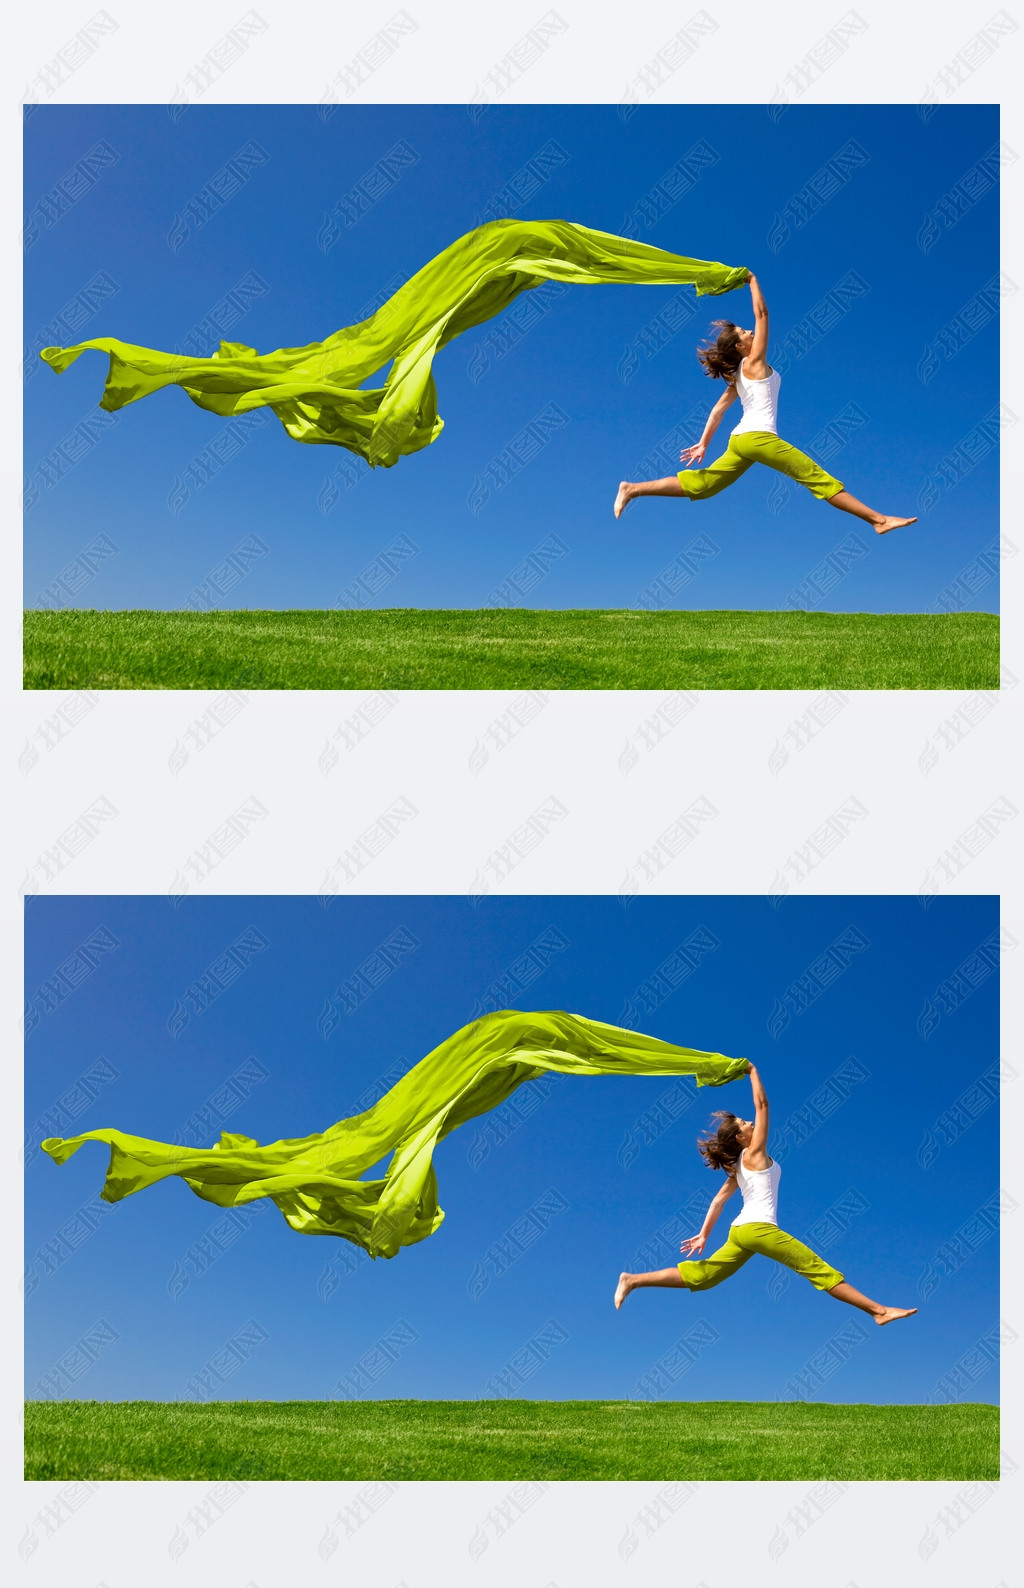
(316, 391)
(315, 1180)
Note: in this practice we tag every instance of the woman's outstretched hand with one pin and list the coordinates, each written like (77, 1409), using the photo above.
(694, 1244)
(693, 454)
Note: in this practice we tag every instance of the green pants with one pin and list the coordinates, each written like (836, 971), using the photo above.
(747, 1239)
(758, 446)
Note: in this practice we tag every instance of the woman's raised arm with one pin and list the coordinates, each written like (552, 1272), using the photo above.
(758, 355)
(758, 1147)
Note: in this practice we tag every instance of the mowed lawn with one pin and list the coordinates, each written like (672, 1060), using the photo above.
(404, 648)
(550, 1440)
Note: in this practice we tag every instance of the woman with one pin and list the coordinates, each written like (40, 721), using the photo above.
(740, 1148)
(740, 359)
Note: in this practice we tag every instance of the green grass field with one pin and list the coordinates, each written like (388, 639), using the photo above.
(508, 1439)
(403, 648)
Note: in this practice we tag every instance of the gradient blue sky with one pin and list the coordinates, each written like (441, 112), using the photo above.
(575, 1141)
(121, 485)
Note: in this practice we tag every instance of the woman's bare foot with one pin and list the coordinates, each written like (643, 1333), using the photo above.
(622, 1290)
(890, 1314)
(883, 529)
(622, 501)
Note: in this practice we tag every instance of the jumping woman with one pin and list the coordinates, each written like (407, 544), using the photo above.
(740, 1148)
(740, 359)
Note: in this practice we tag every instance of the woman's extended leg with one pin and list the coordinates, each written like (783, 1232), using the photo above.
(695, 483)
(661, 1276)
(845, 1292)
(628, 489)
(880, 522)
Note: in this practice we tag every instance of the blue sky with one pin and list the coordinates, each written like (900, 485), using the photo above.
(126, 482)
(621, 1165)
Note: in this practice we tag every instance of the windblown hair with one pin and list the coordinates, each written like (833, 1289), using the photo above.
(722, 1150)
(721, 357)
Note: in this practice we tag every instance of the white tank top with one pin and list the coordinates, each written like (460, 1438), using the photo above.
(760, 1188)
(760, 399)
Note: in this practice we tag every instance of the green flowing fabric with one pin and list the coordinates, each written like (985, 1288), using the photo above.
(315, 391)
(314, 1180)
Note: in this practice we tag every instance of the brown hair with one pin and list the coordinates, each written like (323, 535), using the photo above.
(721, 357)
(722, 1150)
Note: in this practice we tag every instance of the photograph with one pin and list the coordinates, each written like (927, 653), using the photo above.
(760, 454)
(587, 1176)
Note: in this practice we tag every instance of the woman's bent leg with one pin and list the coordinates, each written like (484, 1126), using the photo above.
(845, 1292)
(880, 522)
